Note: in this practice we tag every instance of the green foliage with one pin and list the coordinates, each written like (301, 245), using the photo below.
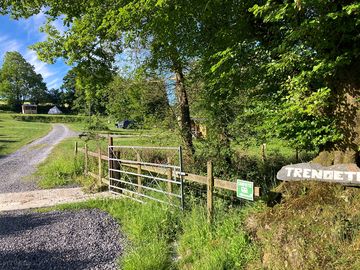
(96, 122)
(266, 68)
(139, 99)
(68, 89)
(315, 47)
(20, 82)
(46, 118)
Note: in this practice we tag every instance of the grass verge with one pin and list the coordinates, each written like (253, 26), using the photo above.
(61, 168)
(15, 134)
(162, 237)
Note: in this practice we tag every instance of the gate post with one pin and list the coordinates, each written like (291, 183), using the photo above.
(210, 190)
(181, 178)
(100, 165)
(86, 169)
(110, 156)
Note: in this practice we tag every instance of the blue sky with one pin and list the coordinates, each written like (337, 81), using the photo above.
(19, 35)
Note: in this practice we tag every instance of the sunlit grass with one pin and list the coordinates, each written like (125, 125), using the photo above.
(15, 134)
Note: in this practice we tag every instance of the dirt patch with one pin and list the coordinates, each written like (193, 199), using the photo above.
(45, 198)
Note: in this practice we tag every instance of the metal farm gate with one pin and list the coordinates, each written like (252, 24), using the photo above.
(154, 173)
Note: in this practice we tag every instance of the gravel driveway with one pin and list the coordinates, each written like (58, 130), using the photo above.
(85, 239)
(15, 167)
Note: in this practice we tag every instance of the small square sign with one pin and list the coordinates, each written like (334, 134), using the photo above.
(245, 190)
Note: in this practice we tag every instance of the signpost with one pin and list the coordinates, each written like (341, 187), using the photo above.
(346, 174)
(245, 190)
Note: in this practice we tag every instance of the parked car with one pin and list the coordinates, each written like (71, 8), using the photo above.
(125, 124)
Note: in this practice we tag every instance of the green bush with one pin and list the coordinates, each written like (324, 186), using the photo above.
(48, 118)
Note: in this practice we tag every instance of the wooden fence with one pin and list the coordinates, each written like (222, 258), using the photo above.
(209, 180)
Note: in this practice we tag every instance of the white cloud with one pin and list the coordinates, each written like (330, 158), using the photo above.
(9, 45)
(32, 25)
(27, 34)
(55, 83)
(40, 67)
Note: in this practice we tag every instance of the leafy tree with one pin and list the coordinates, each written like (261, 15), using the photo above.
(289, 68)
(54, 96)
(315, 62)
(68, 89)
(139, 99)
(99, 29)
(19, 81)
(286, 67)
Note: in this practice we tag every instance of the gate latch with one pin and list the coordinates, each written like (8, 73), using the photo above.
(182, 173)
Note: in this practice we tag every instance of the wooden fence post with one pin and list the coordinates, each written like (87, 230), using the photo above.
(86, 169)
(263, 152)
(210, 190)
(100, 165)
(169, 176)
(139, 182)
(76, 148)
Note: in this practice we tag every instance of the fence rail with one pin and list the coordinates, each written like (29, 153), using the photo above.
(162, 169)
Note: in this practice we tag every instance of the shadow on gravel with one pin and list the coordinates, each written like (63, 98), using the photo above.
(16, 224)
(73, 240)
(43, 260)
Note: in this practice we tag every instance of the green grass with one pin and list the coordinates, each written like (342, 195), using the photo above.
(61, 168)
(224, 245)
(15, 134)
(162, 237)
(149, 228)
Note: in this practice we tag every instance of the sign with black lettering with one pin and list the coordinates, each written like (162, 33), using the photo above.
(346, 174)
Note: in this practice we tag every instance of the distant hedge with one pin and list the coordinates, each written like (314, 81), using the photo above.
(46, 118)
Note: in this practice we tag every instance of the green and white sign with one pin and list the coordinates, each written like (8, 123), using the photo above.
(245, 190)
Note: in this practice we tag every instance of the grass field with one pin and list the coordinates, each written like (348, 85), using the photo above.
(15, 134)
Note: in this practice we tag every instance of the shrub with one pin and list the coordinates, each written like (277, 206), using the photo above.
(48, 118)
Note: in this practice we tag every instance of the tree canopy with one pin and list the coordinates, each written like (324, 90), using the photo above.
(19, 82)
(261, 68)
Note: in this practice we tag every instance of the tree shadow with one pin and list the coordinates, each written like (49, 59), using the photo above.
(43, 259)
(21, 249)
(10, 224)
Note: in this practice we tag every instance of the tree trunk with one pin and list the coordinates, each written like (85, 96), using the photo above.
(347, 114)
(184, 119)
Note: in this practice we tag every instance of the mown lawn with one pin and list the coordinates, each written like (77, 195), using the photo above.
(15, 134)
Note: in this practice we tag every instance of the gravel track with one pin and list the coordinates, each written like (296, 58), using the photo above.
(17, 167)
(85, 239)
